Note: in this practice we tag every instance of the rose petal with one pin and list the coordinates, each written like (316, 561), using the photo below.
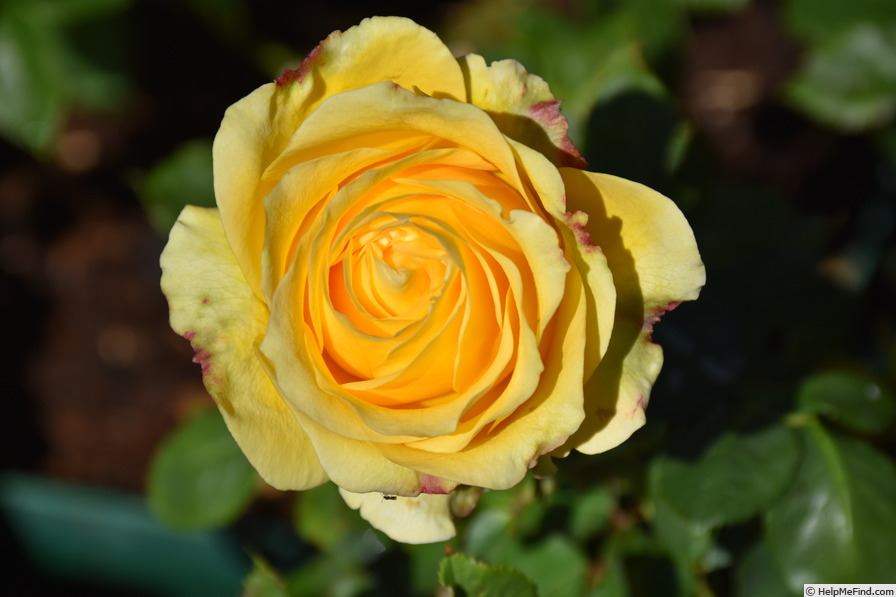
(422, 519)
(212, 306)
(550, 189)
(522, 106)
(655, 263)
(393, 116)
(500, 456)
(256, 129)
(358, 466)
(378, 49)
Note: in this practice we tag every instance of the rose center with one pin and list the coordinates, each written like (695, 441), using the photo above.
(396, 271)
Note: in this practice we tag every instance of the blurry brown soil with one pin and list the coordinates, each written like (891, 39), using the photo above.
(105, 377)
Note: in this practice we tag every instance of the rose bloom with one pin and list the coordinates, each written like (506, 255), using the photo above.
(410, 284)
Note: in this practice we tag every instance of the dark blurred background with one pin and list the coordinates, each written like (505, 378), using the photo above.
(770, 123)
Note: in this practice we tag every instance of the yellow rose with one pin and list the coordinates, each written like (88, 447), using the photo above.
(410, 284)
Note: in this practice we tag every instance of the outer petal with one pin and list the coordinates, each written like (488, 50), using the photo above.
(423, 519)
(380, 49)
(549, 187)
(256, 129)
(213, 307)
(359, 467)
(655, 263)
(522, 106)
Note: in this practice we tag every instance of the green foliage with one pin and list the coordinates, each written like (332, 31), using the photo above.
(591, 512)
(263, 581)
(848, 79)
(836, 524)
(183, 177)
(199, 478)
(583, 60)
(736, 479)
(329, 576)
(853, 400)
(55, 53)
(475, 578)
(714, 5)
(757, 575)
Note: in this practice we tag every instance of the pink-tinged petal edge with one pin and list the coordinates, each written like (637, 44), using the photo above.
(435, 485)
(548, 115)
(298, 75)
(203, 358)
(577, 222)
(655, 315)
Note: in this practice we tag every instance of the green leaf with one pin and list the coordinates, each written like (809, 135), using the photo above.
(735, 479)
(322, 518)
(263, 581)
(591, 512)
(556, 565)
(45, 65)
(686, 540)
(475, 578)
(612, 581)
(851, 399)
(757, 575)
(837, 523)
(487, 534)
(184, 177)
(96, 60)
(714, 5)
(849, 80)
(199, 478)
(329, 576)
(818, 20)
(31, 89)
(424, 564)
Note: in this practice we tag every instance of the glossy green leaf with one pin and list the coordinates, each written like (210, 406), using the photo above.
(471, 577)
(757, 575)
(685, 539)
(184, 177)
(736, 478)
(851, 399)
(836, 523)
(199, 478)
